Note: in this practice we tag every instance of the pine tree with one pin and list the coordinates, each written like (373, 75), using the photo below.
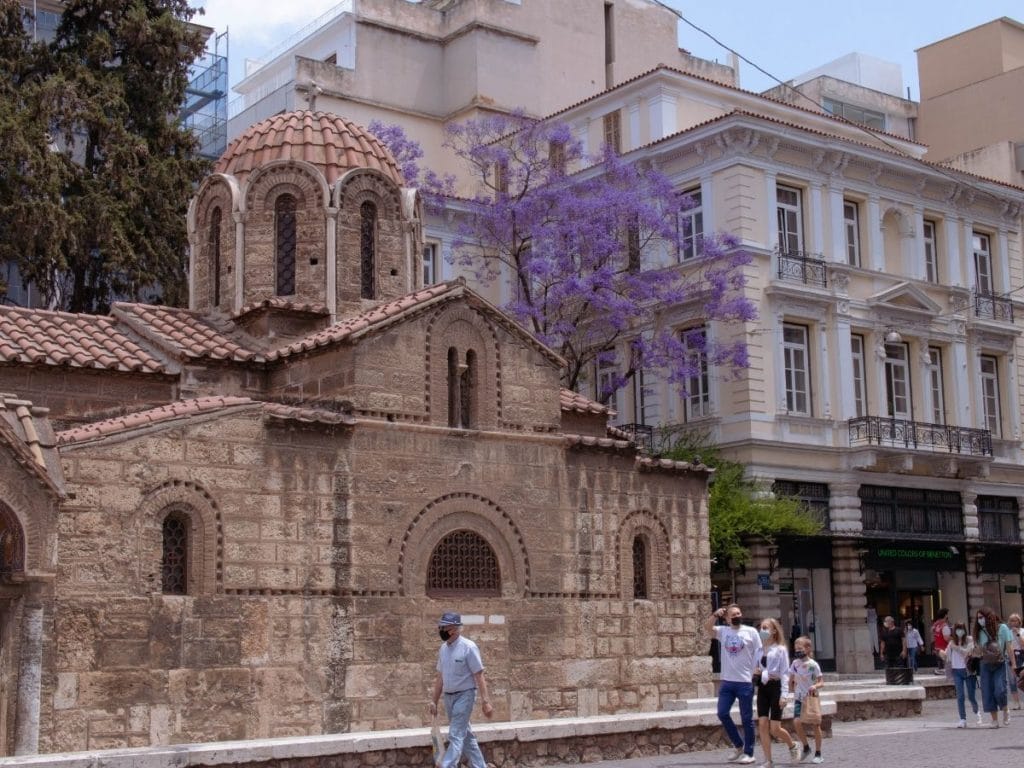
(97, 169)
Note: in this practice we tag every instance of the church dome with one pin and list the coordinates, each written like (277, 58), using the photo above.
(328, 141)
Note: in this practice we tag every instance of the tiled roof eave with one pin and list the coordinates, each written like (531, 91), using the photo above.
(25, 458)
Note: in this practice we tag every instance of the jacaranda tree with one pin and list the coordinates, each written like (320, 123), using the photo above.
(590, 247)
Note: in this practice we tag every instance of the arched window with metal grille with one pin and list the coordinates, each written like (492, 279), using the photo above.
(215, 255)
(640, 568)
(175, 554)
(367, 249)
(463, 563)
(286, 243)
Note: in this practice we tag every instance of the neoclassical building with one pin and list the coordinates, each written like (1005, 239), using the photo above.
(241, 519)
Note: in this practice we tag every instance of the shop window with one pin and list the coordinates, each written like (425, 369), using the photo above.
(463, 563)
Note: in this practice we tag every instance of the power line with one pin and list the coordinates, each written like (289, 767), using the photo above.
(873, 134)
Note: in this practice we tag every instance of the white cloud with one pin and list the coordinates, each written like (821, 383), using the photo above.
(258, 24)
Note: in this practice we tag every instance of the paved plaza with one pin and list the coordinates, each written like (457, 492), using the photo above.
(917, 742)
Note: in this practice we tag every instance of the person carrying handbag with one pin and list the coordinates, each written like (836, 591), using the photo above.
(993, 644)
(805, 680)
(964, 669)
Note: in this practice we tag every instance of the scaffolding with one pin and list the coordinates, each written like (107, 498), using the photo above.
(205, 110)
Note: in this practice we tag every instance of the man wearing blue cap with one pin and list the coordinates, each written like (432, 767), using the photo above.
(460, 672)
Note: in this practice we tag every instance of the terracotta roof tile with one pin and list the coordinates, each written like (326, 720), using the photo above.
(185, 333)
(382, 313)
(178, 410)
(577, 403)
(277, 302)
(79, 341)
(330, 142)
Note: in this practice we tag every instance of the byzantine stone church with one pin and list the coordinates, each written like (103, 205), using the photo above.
(241, 519)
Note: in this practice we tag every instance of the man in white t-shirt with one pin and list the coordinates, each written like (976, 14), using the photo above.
(740, 651)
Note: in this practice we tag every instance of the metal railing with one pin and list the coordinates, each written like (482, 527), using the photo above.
(996, 526)
(911, 519)
(917, 435)
(802, 267)
(991, 306)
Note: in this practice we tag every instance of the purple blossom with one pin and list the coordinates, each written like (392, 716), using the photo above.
(590, 247)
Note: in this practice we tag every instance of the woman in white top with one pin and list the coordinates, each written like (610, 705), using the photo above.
(958, 652)
(772, 678)
(1015, 664)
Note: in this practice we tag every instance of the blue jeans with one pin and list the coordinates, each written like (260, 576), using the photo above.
(964, 683)
(728, 692)
(912, 658)
(993, 687)
(459, 707)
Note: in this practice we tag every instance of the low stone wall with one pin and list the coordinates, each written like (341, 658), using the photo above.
(883, 702)
(506, 745)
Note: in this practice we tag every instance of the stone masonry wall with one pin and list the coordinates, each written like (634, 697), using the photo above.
(71, 394)
(307, 610)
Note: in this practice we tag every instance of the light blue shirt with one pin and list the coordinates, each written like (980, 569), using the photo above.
(458, 662)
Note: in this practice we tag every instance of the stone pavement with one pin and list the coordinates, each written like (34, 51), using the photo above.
(927, 740)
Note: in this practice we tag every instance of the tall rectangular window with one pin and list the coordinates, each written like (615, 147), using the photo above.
(691, 227)
(935, 385)
(431, 272)
(796, 364)
(990, 395)
(697, 403)
(790, 216)
(613, 131)
(897, 381)
(860, 395)
(851, 221)
(646, 398)
(606, 380)
(982, 265)
(931, 256)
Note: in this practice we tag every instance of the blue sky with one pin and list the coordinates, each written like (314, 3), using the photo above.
(785, 37)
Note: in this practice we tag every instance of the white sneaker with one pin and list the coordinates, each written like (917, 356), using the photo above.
(766, 764)
(961, 724)
(979, 717)
(1006, 717)
(794, 753)
(818, 760)
(736, 755)
(746, 760)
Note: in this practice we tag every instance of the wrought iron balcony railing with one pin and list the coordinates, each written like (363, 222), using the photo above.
(998, 527)
(993, 307)
(917, 435)
(802, 267)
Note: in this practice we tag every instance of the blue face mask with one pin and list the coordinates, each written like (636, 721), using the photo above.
(764, 633)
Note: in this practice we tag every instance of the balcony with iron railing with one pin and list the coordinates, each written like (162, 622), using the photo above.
(991, 306)
(919, 436)
(999, 527)
(802, 267)
(912, 521)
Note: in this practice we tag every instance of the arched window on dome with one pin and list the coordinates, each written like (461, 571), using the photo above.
(367, 249)
(175, 563)
(286, 242)
(640, 568)
(463, 563)
(215, 255)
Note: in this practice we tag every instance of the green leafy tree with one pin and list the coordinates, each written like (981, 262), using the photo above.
(738, 508)
(95, 168)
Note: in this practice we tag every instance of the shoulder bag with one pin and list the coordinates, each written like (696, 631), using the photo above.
(992, 654)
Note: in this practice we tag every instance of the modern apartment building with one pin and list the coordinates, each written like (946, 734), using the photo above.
(972, 113)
